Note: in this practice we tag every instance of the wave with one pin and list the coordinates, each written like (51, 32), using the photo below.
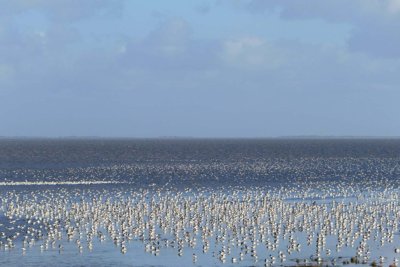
(58, 183)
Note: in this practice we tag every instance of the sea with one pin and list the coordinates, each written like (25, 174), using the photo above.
(60, 174)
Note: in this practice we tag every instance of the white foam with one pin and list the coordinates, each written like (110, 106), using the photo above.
(58, 183)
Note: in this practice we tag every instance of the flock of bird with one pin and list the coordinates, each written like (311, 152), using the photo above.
(250, 225)
(209, 202)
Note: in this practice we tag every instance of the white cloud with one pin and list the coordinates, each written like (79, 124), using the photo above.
(170, 47)
(251, 52)
(236, 47)
(376, 23)
(330, 10)
(394, 6)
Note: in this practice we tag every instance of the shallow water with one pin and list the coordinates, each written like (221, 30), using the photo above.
(318, 175)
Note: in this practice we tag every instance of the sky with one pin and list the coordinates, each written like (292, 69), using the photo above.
(217, 68)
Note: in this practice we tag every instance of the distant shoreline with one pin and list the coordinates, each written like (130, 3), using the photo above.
(306, 137)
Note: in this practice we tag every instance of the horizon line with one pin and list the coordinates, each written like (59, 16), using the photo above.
(208, 137)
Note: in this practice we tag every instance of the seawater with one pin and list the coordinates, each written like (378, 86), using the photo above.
(311, 171)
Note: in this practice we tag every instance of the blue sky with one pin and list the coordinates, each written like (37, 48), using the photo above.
(221, 68)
